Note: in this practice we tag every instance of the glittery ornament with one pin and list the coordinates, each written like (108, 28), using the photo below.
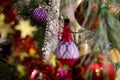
(89, 67)
(44, 72)
(39, 16)
(27, 44)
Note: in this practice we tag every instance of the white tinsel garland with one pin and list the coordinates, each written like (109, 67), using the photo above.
(51, 39)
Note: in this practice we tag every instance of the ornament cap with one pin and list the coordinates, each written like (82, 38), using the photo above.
(66, 20)
(67, 37)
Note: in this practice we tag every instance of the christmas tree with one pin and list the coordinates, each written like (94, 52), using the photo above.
(40, 40)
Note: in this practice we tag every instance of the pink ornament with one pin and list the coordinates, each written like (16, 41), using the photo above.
(63, 73)
(33, 74)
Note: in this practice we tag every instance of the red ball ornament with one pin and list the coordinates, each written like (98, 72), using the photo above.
(90, 68)
(80, 14)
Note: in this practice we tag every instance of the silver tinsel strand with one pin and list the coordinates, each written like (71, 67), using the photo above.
(51, 39)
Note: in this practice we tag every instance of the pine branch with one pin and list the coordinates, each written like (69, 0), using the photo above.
(25, 7)
(7, 71)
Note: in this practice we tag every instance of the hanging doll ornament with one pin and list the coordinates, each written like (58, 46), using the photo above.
(67, 52)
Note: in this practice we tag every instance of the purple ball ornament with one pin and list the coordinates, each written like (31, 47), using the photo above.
(39, 16)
